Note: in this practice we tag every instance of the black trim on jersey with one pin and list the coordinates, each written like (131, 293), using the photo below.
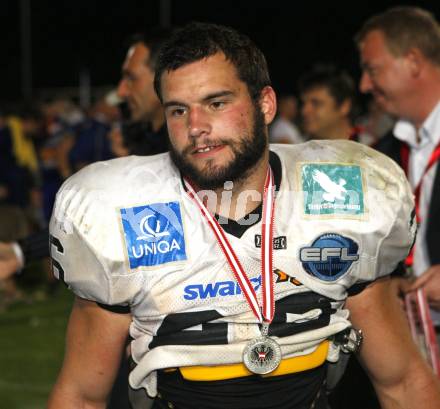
(238, 227)
(174, 329)
(197, 328)
(118, 309)
(399, 271)
(300, 304)
(357, 288)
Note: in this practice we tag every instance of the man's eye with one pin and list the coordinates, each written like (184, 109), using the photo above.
(372, 71)
(218, 104)
(129, 77)
(177, 112)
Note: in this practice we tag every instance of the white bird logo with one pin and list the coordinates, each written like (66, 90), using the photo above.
(333, 190)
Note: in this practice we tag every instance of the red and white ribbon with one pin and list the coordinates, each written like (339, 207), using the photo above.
(266, 313)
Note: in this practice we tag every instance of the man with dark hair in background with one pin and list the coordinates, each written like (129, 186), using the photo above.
(142, 235)
(400, 59)
(145, 132)
(328, 97)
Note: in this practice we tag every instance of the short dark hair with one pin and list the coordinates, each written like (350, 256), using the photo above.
(196, 41)
(404, 28)
(338, 82)
(153, 39)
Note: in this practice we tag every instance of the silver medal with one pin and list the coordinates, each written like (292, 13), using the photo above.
(262, 355)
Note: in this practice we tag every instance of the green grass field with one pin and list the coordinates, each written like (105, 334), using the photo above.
(31, 349)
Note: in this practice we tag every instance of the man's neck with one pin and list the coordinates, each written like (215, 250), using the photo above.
(426, 96)
(341, 131)
(242, 197)
(423, 112)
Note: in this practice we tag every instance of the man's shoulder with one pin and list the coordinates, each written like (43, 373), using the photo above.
(341, 151)
(122, 172)
(102, 187)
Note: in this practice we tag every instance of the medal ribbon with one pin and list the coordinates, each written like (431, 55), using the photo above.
(404, 154)
(266, 313)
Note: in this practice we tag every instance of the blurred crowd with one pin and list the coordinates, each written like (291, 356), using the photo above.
(42, 144)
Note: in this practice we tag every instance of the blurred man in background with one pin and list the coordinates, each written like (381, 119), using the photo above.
(400, 59)
(145, 133)
(328, 97)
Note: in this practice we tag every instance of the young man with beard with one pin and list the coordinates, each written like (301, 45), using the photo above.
(236, 294)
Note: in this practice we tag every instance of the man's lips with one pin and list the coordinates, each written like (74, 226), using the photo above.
(207, 149)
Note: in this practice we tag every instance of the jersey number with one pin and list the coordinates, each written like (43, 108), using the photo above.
(55, 263)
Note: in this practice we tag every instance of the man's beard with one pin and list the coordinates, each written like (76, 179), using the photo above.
(247, 151)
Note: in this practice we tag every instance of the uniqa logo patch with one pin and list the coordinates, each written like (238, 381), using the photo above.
(329, 257)
(332, 189)
(153, 234)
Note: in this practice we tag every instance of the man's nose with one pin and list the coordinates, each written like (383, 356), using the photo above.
(198, 122)
(122, 90)
(365, 84)
(305, 109)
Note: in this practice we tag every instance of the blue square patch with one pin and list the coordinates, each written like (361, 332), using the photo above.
(153, 234)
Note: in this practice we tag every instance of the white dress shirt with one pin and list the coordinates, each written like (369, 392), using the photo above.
(420, 153)
(284, 131)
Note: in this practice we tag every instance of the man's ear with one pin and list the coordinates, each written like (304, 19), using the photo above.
(415, 60)
(345, 107)
(268, 104)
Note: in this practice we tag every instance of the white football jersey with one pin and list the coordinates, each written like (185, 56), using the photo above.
(125, 232)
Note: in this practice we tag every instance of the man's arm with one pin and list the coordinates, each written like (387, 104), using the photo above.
(9, 262)
(95, 343)
(399, 374)
(14, 256)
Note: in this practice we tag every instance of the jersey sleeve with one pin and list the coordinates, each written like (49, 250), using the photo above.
(85, 241)
(74, 260)
(387, 235)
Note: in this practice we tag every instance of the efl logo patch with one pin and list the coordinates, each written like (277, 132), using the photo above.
(329, 257)
(153, 234)
(332, 189)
